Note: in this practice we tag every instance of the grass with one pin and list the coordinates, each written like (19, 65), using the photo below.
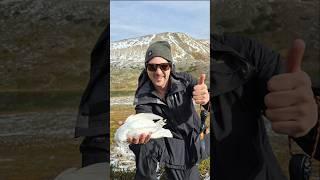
(121, 175)
(204, 167)
(118, 113)
(122, 93)
(124, 80)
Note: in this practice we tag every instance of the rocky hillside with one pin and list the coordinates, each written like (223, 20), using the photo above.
(186, 51)
(46, 45)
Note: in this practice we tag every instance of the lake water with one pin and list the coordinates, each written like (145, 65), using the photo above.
(37, 145)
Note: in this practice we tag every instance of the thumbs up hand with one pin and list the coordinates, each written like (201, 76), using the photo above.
(200, 91)
(290, 104)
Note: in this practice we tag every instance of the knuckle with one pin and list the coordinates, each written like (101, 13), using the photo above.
(270, 84)
(267, 100)
(304, 78)
(275, 127)
(302, 111)
(268, 114)
(306, 97)
(301, 128)
(305, 94)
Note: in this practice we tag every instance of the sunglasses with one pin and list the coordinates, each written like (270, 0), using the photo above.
(154, 67)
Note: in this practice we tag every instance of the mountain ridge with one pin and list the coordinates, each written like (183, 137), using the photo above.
(186, 50)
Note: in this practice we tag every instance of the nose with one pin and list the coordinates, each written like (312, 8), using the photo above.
(158, 71)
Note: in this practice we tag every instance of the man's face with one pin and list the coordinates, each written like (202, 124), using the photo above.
(158, 76)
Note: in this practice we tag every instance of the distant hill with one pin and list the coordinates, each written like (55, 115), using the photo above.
(186, 51)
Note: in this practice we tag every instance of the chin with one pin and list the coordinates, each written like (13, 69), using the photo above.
(159, 85)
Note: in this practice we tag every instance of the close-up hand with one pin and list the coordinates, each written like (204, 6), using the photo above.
(142, 139)
(291, 106)
(200, 91)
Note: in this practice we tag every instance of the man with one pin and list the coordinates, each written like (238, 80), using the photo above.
(248, 81)
(167, 93)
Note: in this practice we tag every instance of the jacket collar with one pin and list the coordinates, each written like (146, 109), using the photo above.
(219, 46)
(228, 67)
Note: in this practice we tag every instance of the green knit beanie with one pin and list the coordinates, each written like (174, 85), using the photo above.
(159, 49)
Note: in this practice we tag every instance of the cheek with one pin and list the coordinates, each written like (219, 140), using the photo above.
(149, 75)
(168, 74)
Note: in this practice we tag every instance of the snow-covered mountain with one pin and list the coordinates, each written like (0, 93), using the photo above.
(130, 53)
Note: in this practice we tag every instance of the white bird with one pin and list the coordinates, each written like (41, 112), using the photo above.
(142, 123)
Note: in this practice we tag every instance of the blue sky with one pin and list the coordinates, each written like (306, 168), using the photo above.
(129, 19)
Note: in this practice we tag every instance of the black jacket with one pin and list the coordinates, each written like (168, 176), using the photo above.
(178, 109)
(93, 116)
(240, 70)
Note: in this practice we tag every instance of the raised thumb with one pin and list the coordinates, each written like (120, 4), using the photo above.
(202, 79)
(295, 56)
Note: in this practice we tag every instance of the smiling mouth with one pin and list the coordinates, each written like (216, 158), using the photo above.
(159, 79)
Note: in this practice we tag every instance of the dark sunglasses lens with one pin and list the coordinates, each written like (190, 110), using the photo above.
(151, 67)
(164, 67)
(154, 67)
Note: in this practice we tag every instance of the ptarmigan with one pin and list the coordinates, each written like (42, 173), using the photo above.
(142, 123)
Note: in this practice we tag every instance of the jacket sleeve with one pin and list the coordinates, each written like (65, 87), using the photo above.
(308, 141)
(143, 109)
